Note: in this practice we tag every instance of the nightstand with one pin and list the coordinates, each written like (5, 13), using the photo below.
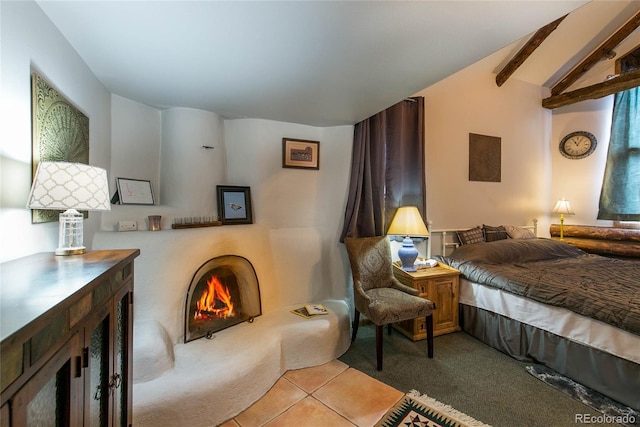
(438, 284)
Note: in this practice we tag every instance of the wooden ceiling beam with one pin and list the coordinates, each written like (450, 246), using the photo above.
(604, 51)
(526, 50)
(599, 90)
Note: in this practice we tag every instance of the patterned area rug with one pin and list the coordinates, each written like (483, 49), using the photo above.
(613, 412)
(415, 410)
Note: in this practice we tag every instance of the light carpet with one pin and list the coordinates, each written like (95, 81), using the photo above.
(416, 410)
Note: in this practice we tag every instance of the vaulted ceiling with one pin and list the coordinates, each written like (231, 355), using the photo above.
(318, 63)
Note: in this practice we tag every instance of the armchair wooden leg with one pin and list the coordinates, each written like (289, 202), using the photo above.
(429, 322)
(356, 322)
(379, 334)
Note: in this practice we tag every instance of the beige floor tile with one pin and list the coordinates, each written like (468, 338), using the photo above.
(309, 413)
(281, 397)
(345, 395)
(310, 379)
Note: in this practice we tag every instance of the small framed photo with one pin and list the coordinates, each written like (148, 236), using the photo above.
(234, 204)
(300, 154)
(134, 191)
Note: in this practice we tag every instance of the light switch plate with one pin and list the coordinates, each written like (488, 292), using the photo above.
(127, 226)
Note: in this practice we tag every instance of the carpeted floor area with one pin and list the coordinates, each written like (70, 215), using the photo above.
(469, 376)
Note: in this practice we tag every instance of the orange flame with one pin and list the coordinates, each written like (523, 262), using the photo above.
(206, 305)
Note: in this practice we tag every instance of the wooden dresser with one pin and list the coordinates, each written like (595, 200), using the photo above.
(66, 325)
(438, 284)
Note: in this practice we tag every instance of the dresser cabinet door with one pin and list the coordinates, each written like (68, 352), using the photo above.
(52, 397)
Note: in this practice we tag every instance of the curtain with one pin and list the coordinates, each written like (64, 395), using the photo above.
(387, 168)
(620, 194)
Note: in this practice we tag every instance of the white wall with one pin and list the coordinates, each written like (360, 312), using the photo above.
(296, 203)
(135, 142)
(30, 41)
(580, 181)
(471, 102)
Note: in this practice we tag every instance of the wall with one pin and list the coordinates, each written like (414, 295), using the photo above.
(580, 181)
(471, 102)
(135, 142)
(30, 41)
(296, 202)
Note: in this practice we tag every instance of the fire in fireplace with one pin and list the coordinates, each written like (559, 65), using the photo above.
(223, 292)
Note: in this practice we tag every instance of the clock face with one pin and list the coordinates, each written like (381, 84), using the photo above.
(578, 145)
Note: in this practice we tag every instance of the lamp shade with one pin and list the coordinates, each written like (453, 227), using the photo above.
(62, 185)
(563, 207)
(408, 222)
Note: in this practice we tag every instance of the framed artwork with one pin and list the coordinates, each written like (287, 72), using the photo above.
(134, 191)
(484, 158)
(300, 153)
(234, 205)
(60, 133)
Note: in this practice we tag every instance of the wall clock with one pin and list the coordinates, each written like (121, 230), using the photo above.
(578, 145)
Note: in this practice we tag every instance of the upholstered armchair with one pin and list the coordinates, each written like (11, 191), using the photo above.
(379, 295)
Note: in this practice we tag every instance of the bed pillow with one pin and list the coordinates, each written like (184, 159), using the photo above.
(491, 234)
(473, 235)
(519, 232)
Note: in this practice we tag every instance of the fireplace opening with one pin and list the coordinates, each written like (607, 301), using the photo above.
(223, 292)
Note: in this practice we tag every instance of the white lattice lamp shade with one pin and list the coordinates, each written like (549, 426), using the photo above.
(70, 186)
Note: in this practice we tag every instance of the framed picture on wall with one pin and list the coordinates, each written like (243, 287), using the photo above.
(134, 192)
(300, 153)
(234, 205)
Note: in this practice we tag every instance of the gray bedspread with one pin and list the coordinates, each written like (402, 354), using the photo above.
(558, 274)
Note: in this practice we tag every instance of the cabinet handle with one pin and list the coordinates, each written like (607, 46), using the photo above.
(116, 380)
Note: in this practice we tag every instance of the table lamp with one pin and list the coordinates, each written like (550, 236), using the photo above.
(407, 222)
(70, 186)
(563, 208)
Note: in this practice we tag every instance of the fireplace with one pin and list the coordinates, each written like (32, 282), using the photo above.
(223, 292)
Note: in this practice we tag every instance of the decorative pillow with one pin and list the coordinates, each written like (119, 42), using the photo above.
(491, 234)
(473, 235)
(519, 232)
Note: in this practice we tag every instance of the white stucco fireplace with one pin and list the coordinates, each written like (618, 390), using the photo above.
(239, 363)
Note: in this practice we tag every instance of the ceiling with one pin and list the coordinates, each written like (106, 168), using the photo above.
(320, 63)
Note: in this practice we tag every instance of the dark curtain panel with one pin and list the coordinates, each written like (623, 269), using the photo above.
(620, 194)
(387, 169)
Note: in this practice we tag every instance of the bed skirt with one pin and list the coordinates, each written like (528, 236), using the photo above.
(610, 375)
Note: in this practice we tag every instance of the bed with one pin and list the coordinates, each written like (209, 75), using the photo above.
(543, 300)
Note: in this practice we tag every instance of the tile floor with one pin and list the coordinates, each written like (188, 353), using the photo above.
(326, 395)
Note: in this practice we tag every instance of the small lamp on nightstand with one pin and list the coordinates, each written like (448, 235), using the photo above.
(69, 186)
(407, 222)
(563, 208)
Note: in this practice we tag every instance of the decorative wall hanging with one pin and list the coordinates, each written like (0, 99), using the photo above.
(484, 158)
(60, 133)
(234, 205)
(300, 154)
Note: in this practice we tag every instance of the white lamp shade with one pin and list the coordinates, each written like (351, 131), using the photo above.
(408, 222)
(563, 207)
(62, 185)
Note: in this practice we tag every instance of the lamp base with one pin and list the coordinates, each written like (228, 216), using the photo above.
(408, 254)
(70, 251)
